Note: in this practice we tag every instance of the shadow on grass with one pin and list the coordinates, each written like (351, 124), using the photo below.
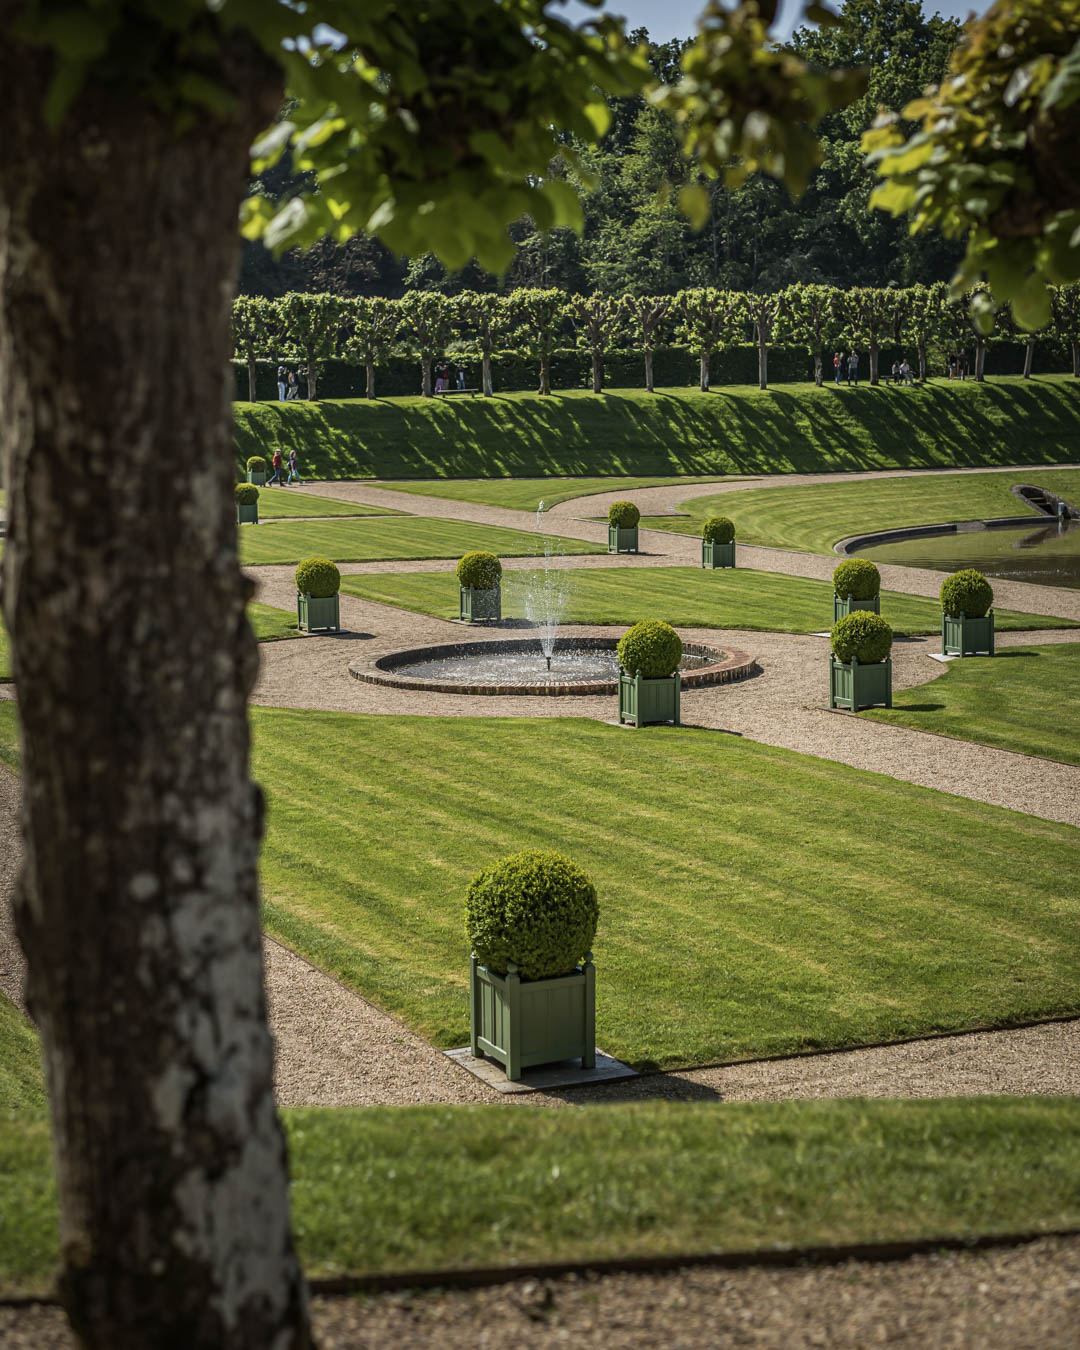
(920, 707)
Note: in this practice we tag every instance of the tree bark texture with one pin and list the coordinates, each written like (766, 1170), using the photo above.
(704, 372)
(921, 349)
(873, 363)
(1029, 354)
(251, 377)
(137, 904)
(545, 375)
(1076, 359)
(649, 372)
(980, 358)
(312, 369)
(817, 368)
(597, 373)
(369, 379)
(763, 365)
(489, 388)
(425, 377)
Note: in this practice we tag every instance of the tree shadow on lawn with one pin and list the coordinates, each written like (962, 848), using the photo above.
(650, 1085)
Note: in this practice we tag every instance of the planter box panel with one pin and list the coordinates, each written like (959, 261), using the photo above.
(476, 606)
(854, 686)
(621, 540)
(842, 608)
(257, 476)
(717, 555)
(522, 1024)
(644, 701)
(318, 612)
(247, 515)
(961, 636)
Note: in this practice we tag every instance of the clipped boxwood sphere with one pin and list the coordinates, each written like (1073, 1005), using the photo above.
(318, 577)
(864, 637)
(624, 514)
(534, 908)
(718, 530)
(257, 464)
(856, 579)
(652, 647)
(968, 593)
(247, 494)
(479, 571)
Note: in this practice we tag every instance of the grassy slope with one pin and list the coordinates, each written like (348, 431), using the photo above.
(408, 537)
(685, 596)
(1027, 699)
(5, 654)
(420, 1188)
(754, 901)
(526, 494)
(676, 431)
(22, 1087)
(814, 517)
(285, 504)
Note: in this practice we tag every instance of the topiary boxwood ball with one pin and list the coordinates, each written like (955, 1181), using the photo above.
(479, 571)
(624, 514)
(651, 647)
(718, 530)
(318, 577)
(257, 464)
(968, 593)
(247, 494)
(856, 579)
(536, 909)
(864, 637)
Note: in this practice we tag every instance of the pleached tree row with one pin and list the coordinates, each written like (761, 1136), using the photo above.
(536, 322)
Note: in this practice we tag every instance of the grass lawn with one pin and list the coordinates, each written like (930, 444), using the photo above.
(270, 623)
(688, 597)
(5, 653)
(526, 494)
(402, 537)
(22, 1086)
(734, 429)
(1026, 698)
(421, 1188)
(754, 901)
(283, 503)
(813, 517)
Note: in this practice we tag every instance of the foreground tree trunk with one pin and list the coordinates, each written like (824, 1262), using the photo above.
(649, 371)
(137, 904)
(369, 379)
(488, 387)
(1029, 355)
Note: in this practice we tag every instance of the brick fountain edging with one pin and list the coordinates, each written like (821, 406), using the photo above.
(729, 665)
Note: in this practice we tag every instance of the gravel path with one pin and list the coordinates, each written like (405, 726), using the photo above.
(1013, 1298)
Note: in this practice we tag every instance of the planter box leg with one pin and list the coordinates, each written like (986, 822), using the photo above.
(513, 1022)
(588, 1059)
(474, 1009)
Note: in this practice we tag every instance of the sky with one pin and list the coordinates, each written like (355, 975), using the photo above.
(675, 18)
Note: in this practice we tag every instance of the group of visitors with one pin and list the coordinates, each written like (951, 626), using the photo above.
(902, 372)
(442, 379)
(278, 465)
(288, 383)
(849, 362)
(958, 366)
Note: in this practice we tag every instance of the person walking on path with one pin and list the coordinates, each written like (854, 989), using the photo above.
(837, 362)
(294, 474)
(282, 383)
(853, 368)
(294, 386)
(278, 463)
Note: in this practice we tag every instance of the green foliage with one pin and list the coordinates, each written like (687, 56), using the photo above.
(318, 577)
(312, 326)
(718, 530)
(371, 324)
(862, 636)
(966, 592)
(989, 160)
(479, 571)
(247, 494)
(651, 648)
(856, 579)
(535, 909)
(623, 514)
(256, 463)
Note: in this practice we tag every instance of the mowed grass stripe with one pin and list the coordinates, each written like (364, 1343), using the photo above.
(526, 494)
(287, 504)
(754, 901)
(688, 597)
(397, 538)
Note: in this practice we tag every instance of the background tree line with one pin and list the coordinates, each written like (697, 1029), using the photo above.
(718, 328)
(635, 238)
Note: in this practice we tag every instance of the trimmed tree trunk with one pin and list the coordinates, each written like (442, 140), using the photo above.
(649, 371)
(763, 365)
(425, 377)
(920, 347)
(818, 376)
(1029, 355)
(1076, 359)
(369, 379)
(704, 372)
(485, 380)
(597, 373)
(980, 358)
(137, 902)
(873, 362)
(545, 375)
(251, 377)
(312, 373)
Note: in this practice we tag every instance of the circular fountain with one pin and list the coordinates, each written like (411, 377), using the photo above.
(542, 663)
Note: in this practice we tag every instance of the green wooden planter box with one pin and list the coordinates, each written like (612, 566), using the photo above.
(961, 636)
(854, 686)
(247, 515)
(315, 613)
(620, 540)
(523, 1023)
(717, 555)
(476, 606)
(842, 608)
(257, 476)
(642, 701)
